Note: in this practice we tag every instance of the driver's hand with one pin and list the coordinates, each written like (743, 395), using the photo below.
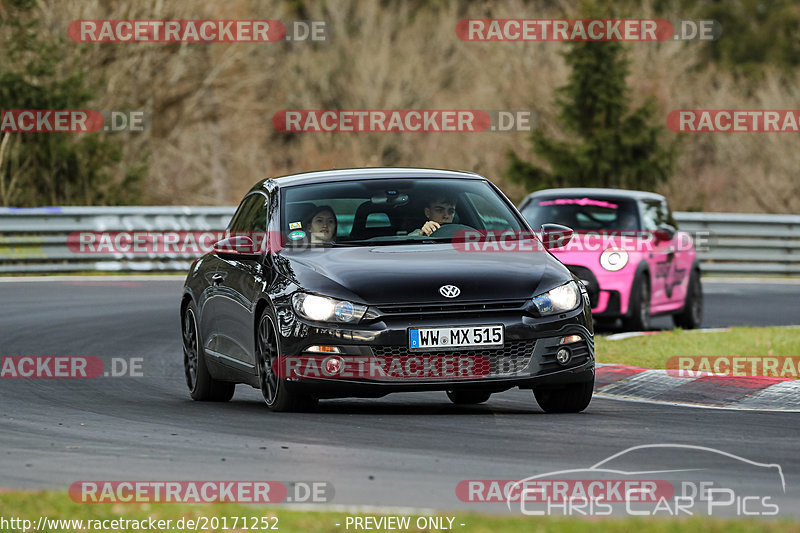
(429, 227)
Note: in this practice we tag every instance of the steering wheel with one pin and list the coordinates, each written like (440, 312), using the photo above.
(447, 231)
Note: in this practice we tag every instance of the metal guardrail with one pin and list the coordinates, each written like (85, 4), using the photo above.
(745, 244)
(35, 240)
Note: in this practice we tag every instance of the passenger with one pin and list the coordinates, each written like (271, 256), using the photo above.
(440, 210)
(321, 225)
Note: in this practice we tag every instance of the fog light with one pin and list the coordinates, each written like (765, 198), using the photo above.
(570, 339)
(333, 365)
(563, 356)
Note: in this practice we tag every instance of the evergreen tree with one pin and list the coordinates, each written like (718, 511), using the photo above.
(614, 147)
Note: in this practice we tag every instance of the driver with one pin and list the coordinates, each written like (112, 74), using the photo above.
(440, 210)
(627, 221)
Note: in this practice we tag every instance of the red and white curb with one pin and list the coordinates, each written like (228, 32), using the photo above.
(630, 334)
(732, 392)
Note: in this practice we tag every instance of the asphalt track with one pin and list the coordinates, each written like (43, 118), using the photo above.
(406, 450)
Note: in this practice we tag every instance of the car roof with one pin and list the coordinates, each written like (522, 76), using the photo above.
(596, 192)
(345, 174)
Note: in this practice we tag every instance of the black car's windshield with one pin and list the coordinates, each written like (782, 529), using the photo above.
(583, 213)
(391, 211)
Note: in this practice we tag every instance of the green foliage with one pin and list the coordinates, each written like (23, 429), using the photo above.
(53, 168)
(615, 147)
(608, 144)
(755, 33)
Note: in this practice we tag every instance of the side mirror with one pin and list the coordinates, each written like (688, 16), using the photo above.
(555, 236)
(664, 232)
(237, 247)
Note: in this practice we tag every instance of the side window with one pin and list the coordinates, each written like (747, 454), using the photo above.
(251, 215)
(670, 219)
(655, 214)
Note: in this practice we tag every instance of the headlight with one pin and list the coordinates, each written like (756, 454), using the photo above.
(559, 300)
(613, 259)
(322, 309)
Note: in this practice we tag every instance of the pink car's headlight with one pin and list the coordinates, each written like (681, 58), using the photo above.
(613, 259)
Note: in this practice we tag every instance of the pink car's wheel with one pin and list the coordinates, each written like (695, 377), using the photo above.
(692, 313)
(639, 307)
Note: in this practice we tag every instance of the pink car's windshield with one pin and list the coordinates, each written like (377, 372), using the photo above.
(584, 213)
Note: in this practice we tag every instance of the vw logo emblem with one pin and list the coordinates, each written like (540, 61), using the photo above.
(449, 291)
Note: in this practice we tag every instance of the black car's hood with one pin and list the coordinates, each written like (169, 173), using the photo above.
(414, 273)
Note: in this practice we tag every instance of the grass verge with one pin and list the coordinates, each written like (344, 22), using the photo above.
(653, 351)
(57, 505)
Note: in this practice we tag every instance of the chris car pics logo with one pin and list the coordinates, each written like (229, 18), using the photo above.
(652, 480)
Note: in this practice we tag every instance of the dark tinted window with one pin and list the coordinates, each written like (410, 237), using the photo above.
(583, 213)
(251, 215)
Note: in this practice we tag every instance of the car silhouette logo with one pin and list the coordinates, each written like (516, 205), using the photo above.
(449, 291)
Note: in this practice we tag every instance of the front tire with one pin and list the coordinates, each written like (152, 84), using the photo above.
(691, 315)
(639, 306)
(202, 386)
(468, 397)
(276, 390)
(567, 399)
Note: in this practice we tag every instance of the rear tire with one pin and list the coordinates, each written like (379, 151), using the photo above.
(691, 315)
(638, 318)
(468, 397)
(567, 399)
(202, 386)
(276, 391)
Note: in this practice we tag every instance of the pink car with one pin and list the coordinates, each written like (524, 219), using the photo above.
(627, 251)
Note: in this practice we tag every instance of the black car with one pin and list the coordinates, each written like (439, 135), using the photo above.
(329, 286)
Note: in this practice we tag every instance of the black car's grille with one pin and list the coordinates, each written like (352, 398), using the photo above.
(466, 307)
(505, 361)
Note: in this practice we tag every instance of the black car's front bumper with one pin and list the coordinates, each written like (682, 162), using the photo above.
(527, 359)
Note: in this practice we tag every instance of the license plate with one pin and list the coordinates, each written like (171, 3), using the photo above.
(433, 338)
